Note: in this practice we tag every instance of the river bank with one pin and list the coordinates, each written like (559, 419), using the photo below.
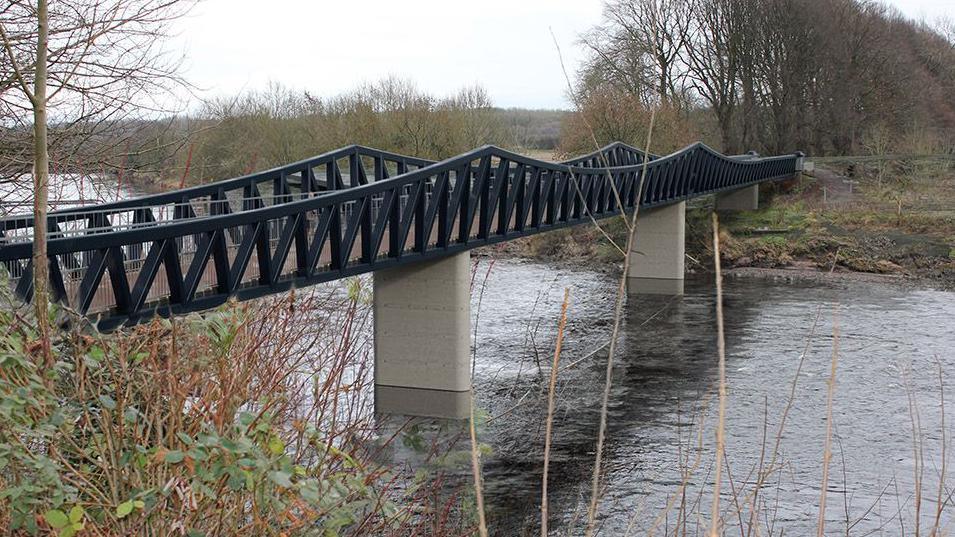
(853, 223)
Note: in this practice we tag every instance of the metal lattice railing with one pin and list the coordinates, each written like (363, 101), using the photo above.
(328, 218)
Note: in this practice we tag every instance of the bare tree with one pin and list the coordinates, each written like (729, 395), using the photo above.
(80, 67)
(640, 48)
(775, 75)
(785, 46)
(945, 26)
(714, 62)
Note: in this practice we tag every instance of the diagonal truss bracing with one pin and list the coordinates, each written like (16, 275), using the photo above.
(347, 212)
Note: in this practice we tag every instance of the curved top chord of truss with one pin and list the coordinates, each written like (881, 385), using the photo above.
(613, 154)
(345, 212)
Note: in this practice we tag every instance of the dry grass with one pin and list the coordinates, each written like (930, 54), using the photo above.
(551, 388)
(827, 450)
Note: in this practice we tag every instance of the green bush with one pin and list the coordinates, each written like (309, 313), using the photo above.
(202, 426)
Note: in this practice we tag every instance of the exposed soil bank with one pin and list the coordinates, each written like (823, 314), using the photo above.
(803, 272)
(863, 228)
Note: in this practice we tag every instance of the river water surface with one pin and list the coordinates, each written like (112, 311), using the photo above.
(894, 342)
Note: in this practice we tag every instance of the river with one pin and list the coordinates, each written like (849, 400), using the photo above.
(893, 341)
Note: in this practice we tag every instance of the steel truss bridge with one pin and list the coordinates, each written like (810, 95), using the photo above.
(350, 211)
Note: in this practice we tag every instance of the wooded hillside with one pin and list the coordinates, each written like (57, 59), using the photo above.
(823, 76)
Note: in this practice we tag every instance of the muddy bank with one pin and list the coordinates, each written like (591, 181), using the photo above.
(806, 273)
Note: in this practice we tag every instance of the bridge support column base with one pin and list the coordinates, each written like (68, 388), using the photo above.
(422, 315)
(744, 199)
(422, 402)
(656, 260)
(654, 286)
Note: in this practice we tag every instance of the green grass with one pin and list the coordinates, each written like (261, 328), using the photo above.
(786, 215)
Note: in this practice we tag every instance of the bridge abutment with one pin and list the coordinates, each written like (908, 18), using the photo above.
(422, 315)
(657, 257)
(744, 199)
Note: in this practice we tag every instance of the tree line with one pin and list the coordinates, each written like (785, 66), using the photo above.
(822, 76)
(278, 125)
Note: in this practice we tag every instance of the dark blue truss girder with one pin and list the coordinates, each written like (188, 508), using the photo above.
(489, 194)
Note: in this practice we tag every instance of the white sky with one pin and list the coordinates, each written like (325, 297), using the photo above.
(330, 46)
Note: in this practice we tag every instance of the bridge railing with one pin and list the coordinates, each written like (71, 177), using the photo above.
(248, 247)
(612, 155)
(340, 169)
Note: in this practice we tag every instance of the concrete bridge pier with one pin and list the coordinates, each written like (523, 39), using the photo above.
(422, 315)
(744, 199)
(657, 256)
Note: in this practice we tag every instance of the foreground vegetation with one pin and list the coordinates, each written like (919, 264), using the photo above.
(252, 420)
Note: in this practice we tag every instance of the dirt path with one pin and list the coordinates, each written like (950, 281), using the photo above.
(834, 188)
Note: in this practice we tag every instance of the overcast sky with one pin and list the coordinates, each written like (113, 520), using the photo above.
(330, 46)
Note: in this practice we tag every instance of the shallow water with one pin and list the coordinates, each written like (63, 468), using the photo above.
(892, 343)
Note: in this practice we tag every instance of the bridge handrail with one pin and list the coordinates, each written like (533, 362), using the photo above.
(610, 154)
(211, 189)
(180, 196)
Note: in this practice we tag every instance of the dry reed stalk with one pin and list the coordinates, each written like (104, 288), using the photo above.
(579, 361)
(918, 451)
(734, 492)
(476, 469)
(617, 315)
(721, 350)
(687, 472)
(940, 504)
(771, 467)
(827, 451)
(477, 314)
(762, 474)
(601, 156)
(603, 346)
(621, 291)
(472, 430)
(552, 387)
